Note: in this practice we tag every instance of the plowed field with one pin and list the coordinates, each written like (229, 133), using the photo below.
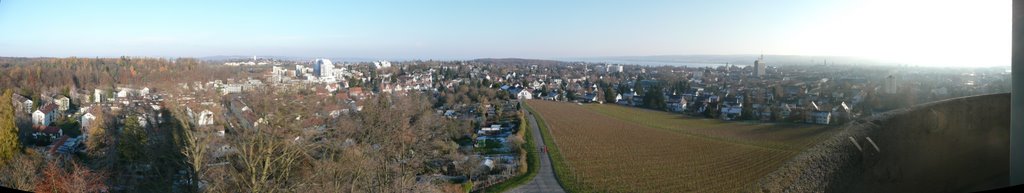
(611, 148)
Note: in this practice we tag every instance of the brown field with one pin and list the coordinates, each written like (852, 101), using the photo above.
(609, 148)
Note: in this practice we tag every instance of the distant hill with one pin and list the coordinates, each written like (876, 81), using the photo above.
(510, 61)
(222, 58)
(954, 145)
(712, 60)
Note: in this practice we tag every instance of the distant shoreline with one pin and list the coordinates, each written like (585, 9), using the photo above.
(658, 63)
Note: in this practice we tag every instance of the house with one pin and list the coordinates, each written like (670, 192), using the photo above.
(731, 112)
(524, 94)
(123, 92)
(676, 103)
(785, 111)
(623, 99)
(63, 103)
(44, 115)
(618, 97)
(821, 117)
(492, 128)
(488, 164)
(332, 87)
(144, 92)
(142, 120)
(553, 95)
(732, 107)
(590, 98)
(450, 114)
(842, 113)
(97, 95)
(49, 133)
(231, 88)
(205, 118)
(337, 112)
(21, 103)
(86, 121)
(818, 115)
(637, 100)
(342, 96)
(792, 91)
(356, 92)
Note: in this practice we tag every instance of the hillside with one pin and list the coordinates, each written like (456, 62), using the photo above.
(953, 145)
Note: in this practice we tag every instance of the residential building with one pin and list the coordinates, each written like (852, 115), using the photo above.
(205, 118)
(21, 103)
(86, 121)
(97, 96)
(524, 94)
(49, 133)
(381, 64)
(63, 103)
(44, 115)
(821, 117)
(676, 103)
(731, 112)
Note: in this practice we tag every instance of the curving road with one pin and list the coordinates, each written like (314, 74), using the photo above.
(545, 180)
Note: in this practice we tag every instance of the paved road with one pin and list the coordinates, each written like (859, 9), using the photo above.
(545, 180)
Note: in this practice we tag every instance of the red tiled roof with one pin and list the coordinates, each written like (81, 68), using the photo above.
(49, 107)
(60, 142)
(356, 91)
(47, 129)
(342, 95)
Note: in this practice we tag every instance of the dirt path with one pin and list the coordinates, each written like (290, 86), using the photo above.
(545, 180)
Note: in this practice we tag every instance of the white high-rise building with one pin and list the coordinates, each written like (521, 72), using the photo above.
(327, 69)
(97, 95)
(322, 67)
(759, 66)
(889, 85)
(381, 64)
(613, 68)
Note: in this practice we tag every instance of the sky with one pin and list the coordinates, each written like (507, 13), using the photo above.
(936, 33)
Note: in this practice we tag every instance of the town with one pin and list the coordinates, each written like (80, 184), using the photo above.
(461, 120)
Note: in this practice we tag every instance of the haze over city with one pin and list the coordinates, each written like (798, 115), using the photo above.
(926, 33)
(469, 96)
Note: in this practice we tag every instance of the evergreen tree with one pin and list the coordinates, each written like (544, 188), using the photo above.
(654, 98)
(609, 95)
(747, 110)
(9, 143)
(133, 142)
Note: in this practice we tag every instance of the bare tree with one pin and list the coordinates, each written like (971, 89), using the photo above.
(75, 178)
(195, 151)
(20, 172)
(264, 163)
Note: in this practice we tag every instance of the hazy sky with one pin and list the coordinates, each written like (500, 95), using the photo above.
(969, 32)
